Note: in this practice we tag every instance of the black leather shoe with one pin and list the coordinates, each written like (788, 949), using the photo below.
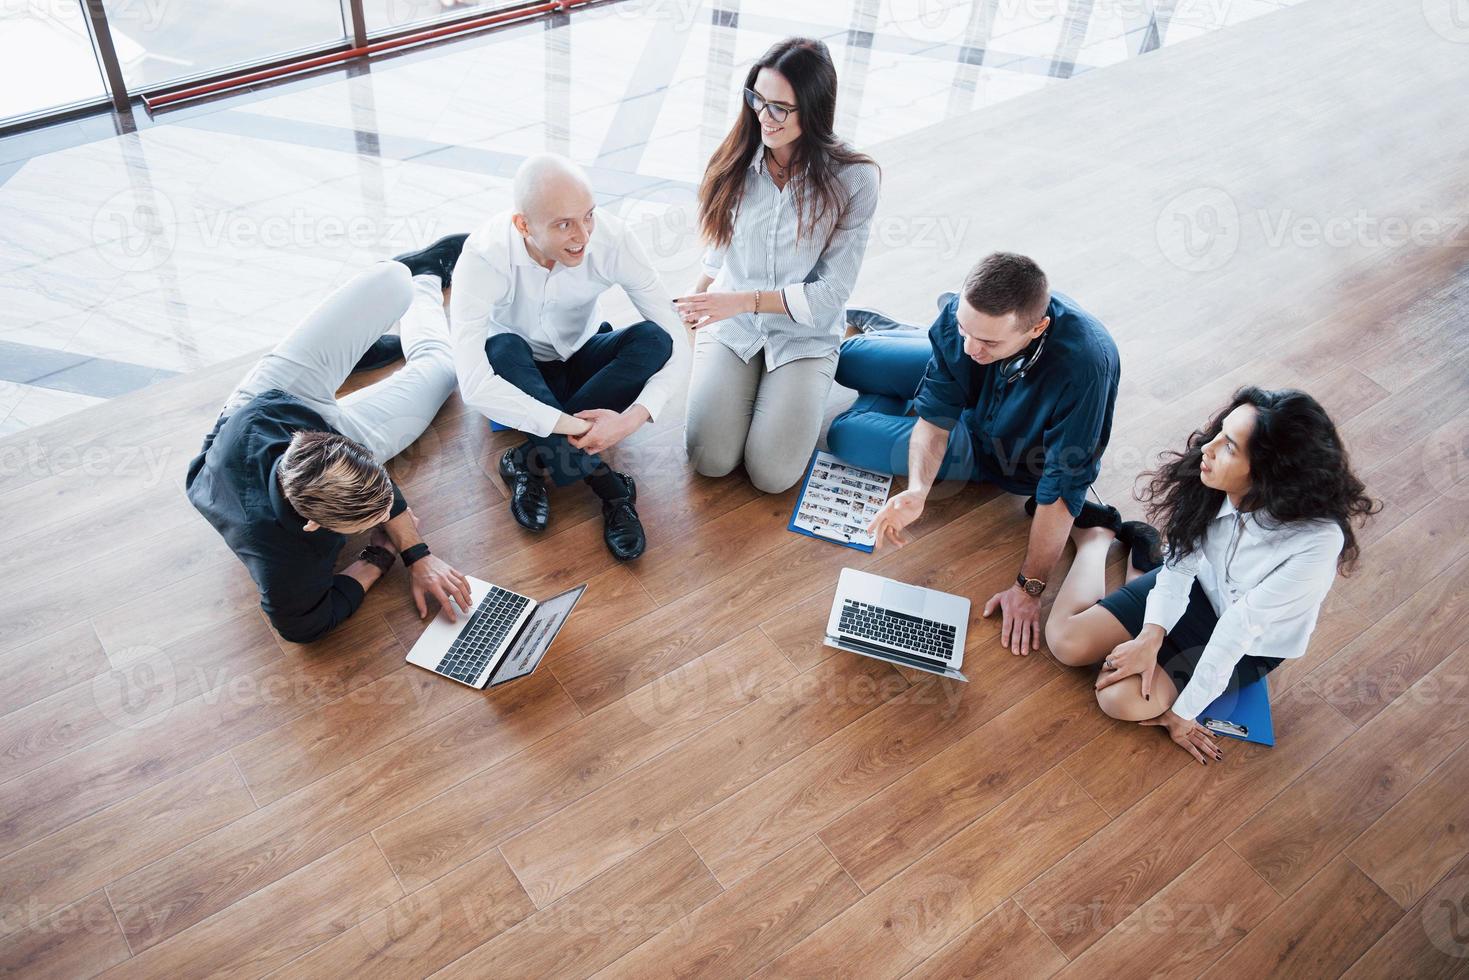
(875, 321)
(621, 528)
(436, 260)
(1144, 544)
(1092, 515)
(530, 502)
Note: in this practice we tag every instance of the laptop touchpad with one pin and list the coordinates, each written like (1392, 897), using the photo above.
(903, 598)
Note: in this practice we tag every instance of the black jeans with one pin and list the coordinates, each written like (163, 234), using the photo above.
(608, 371)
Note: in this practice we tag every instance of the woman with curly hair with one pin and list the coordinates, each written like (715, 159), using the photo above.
(1257, 513)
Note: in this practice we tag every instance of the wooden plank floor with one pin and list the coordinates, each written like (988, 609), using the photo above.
(696, 785)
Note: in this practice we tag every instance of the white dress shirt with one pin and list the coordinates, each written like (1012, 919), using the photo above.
(498, 288)
(1266, 581)
(815, 273)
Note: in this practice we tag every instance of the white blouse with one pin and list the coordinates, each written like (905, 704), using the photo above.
(1266, 581)
(814, 272)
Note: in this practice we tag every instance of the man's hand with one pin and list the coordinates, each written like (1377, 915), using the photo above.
(900, 511)
(432, 576)
(1020, 619)
(1131, 657)
(608, 428)
(1190, 735)
(701, 309)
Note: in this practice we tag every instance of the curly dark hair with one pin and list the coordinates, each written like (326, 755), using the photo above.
(1299, 471)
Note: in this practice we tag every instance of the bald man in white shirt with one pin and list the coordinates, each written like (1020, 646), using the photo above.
(530, 353)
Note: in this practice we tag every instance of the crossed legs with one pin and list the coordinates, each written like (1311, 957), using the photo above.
(1080, 632)
(317, 356)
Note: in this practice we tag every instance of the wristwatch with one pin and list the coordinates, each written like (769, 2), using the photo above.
(377, 556)
(1032, 586)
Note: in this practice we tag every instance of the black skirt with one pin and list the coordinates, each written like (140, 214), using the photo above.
(1185, 643)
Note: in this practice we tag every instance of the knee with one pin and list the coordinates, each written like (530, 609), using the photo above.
(710, 457)
(651, 339)
(507, 348)
(841, 436)
(849, 361)
(1066, 645)
(771, 473)
(1124, 701)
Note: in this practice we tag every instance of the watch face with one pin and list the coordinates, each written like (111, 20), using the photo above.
(1034, 586)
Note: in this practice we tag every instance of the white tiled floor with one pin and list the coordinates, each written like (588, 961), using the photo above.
(189, 243)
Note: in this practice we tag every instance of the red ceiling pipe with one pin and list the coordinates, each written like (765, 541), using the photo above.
(417, 37)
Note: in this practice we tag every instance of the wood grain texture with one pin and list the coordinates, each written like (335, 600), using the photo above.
(1196, 918)
(1319, 931)
(1004, 943)
(917, 912)
(489, 808)
(600, 829)
(600, 921)
(668, 783)
(1100, 883)
(750, 924)
(1422, 837)
(1303, 828)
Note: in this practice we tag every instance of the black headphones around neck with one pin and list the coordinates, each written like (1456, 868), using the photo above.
(1015, 368)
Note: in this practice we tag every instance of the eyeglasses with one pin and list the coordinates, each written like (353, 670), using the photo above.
(778, 112)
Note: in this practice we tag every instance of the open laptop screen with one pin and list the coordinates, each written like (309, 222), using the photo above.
(535, 638)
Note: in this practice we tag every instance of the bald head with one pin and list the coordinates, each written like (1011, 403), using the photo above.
(553, 209)
(547, 184)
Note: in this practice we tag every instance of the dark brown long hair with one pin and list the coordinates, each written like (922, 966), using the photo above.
(806, 64)
(1299, 471)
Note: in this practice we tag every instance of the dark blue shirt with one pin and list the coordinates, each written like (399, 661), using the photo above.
(1043, 434)
(233, 483)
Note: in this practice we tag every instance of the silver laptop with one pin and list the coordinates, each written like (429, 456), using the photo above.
(504, 638)
(902, 624)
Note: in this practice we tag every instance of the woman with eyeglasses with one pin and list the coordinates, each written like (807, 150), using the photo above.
(785, 208)
(1257, 511)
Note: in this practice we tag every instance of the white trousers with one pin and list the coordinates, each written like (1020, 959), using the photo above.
(319, 354)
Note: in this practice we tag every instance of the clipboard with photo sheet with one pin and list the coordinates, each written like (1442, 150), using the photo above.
(838, 501)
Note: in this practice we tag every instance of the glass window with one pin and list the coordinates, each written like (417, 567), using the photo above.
(159, 41)
(46, 58)
(395, 15)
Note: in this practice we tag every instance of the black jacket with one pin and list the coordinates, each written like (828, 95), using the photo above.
(233, 483)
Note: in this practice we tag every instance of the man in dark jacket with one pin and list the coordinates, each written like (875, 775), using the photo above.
(1014, 385)
(288, 471)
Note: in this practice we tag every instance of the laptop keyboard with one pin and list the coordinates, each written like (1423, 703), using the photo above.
(894, 629)
(482, 635)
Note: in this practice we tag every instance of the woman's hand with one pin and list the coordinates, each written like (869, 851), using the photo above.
(700, 309)
(1194, 738)
(1138, 656)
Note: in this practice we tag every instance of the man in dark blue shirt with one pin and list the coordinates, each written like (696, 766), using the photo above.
(289, 470)
(1014, 385)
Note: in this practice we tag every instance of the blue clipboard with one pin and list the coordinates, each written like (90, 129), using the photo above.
(1243, 714)
(833, 538)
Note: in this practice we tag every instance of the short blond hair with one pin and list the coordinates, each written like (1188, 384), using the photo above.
(334, 481)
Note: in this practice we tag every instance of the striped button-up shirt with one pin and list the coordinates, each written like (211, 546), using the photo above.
(814, 272)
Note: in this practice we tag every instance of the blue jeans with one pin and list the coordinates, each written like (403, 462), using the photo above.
(608, 371)
(886, 369)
